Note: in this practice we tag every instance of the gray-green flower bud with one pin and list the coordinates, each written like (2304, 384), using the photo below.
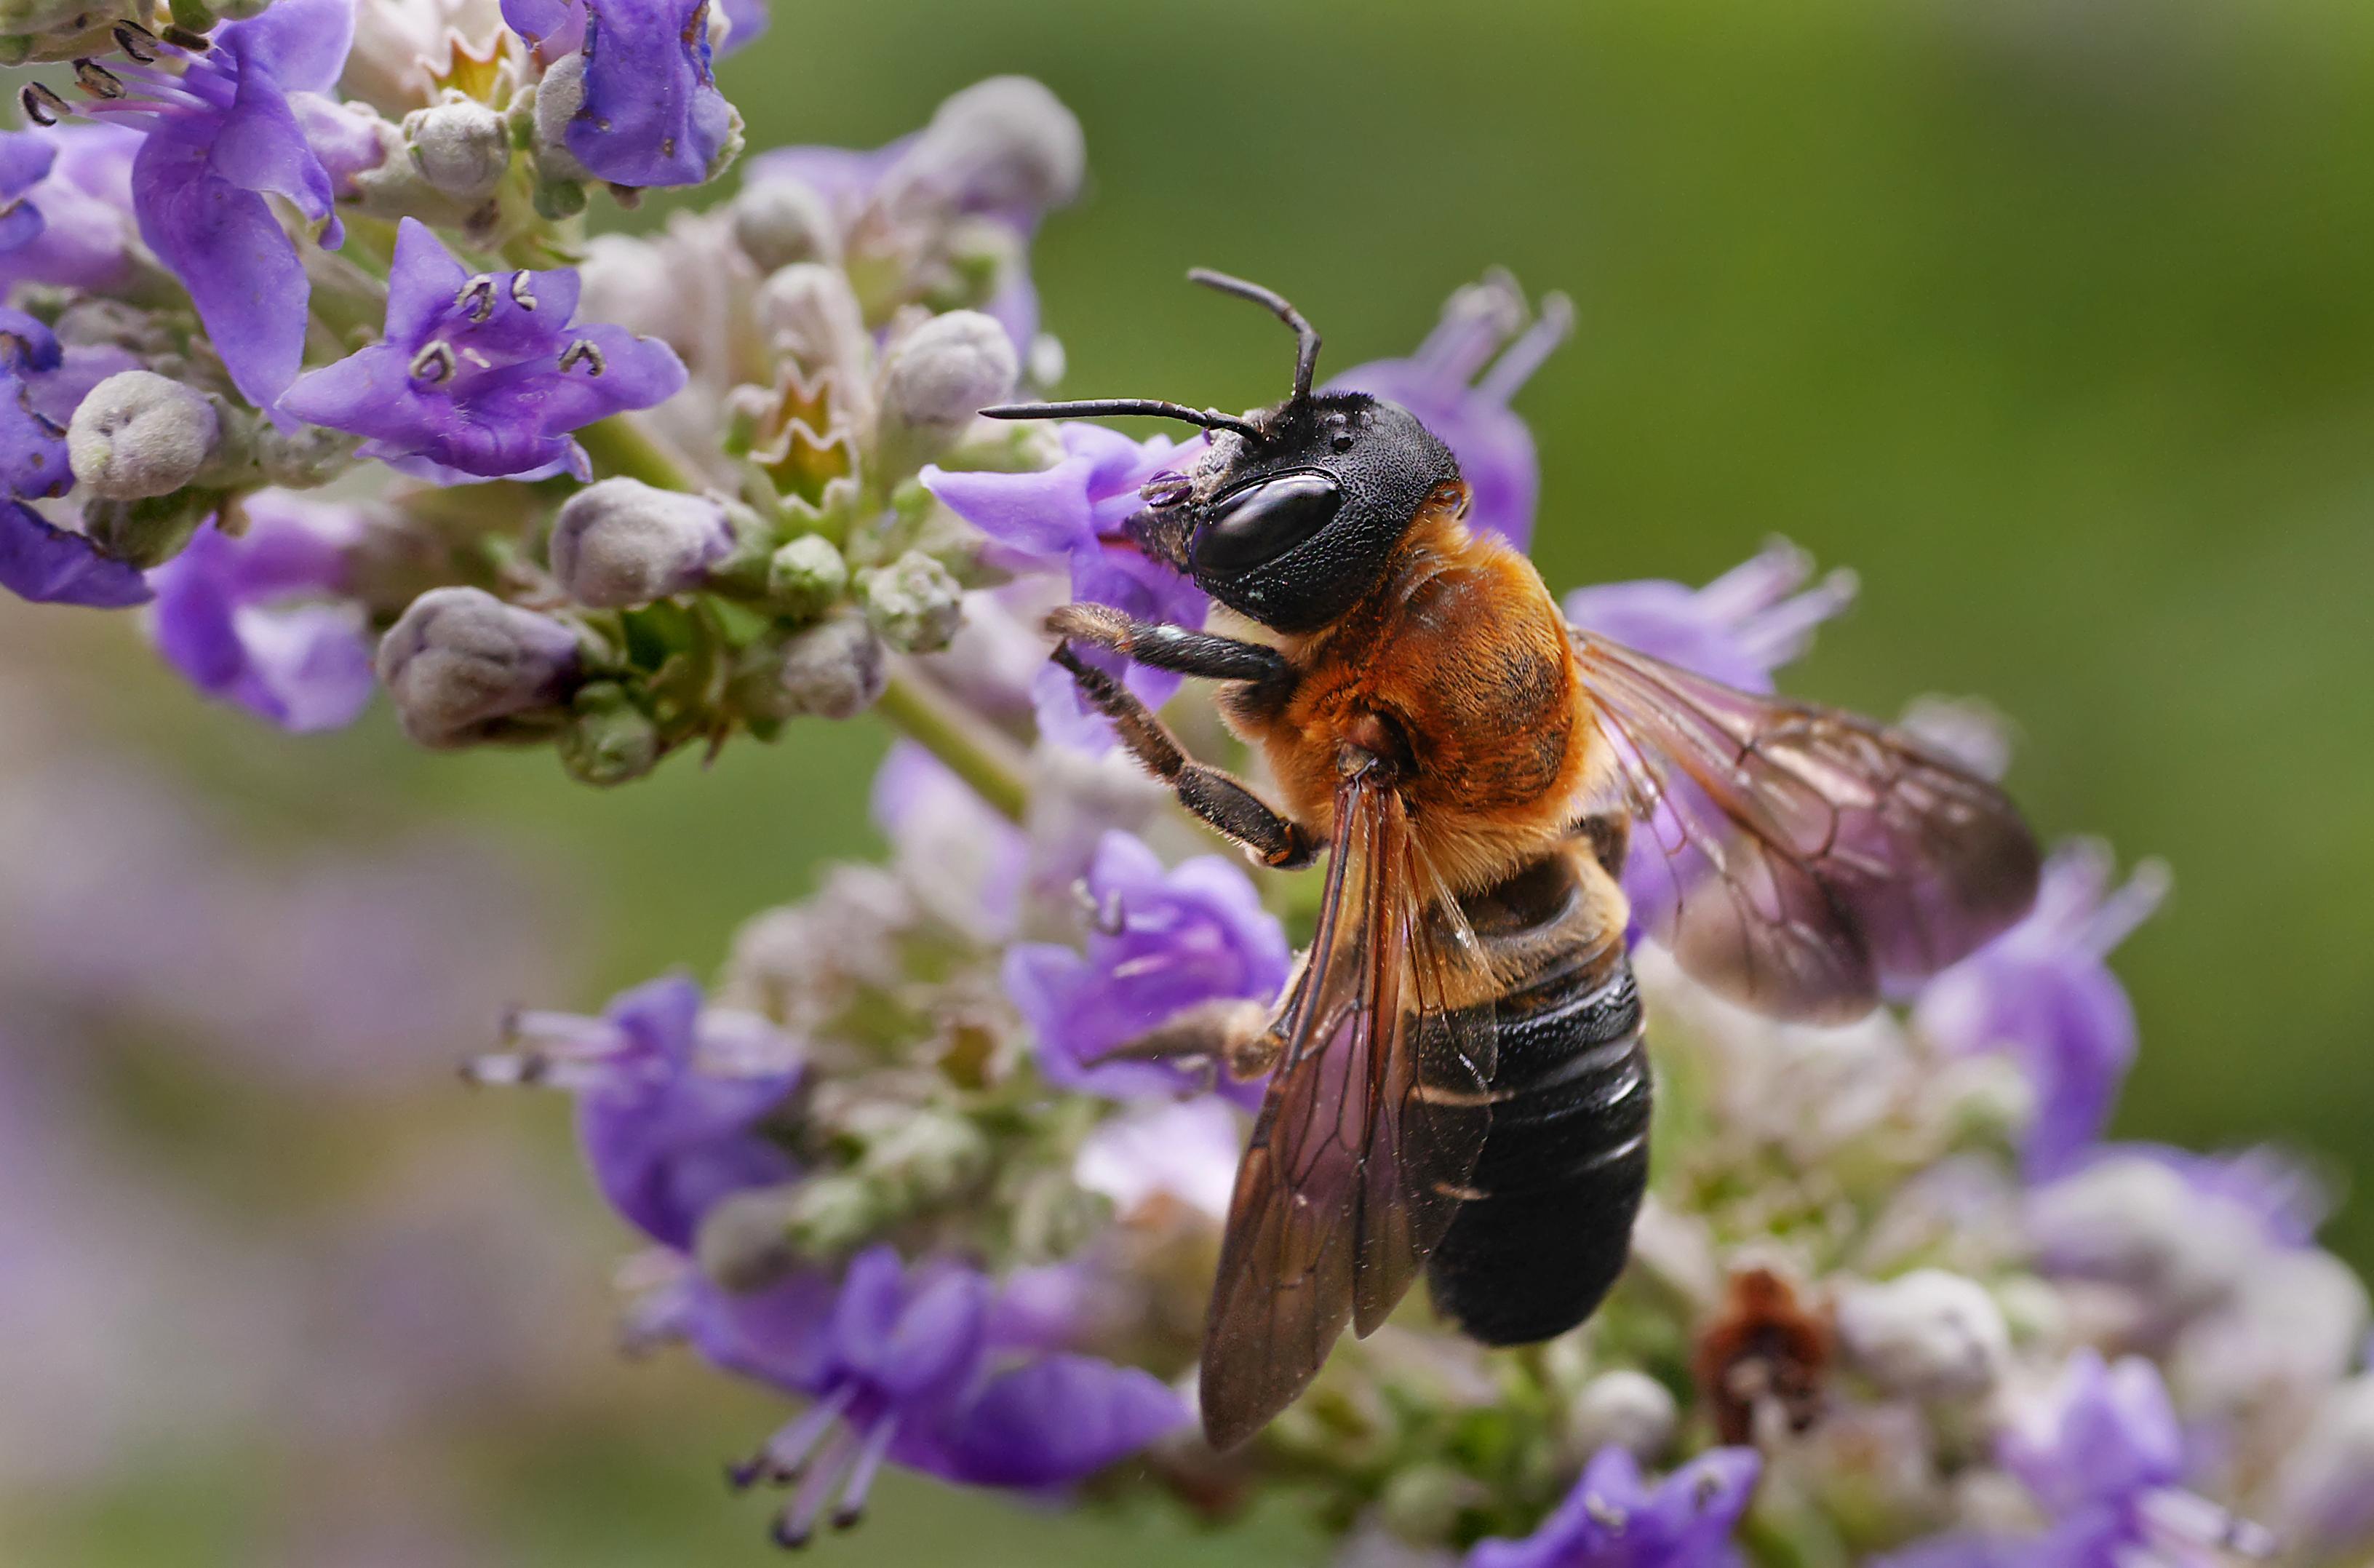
(833, 1214)
(781, 222)
(559, 96)
(745, 1239)
(806, 576)
(811, 316)
(1006, 145)
(929, 1156)
(938, 378)
(835, 669)
(1928, 1333)
(914, 602)
(609, 740)
(461, 147)
(460, 663)
(1629, 1409)
(621, 543)
(137, 434)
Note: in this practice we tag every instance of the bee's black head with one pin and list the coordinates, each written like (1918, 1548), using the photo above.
(1295, 510)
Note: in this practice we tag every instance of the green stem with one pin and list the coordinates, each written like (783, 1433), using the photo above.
(974, 752)
(620, 445)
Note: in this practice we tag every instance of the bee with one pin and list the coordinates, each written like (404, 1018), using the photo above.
(1458, 1085)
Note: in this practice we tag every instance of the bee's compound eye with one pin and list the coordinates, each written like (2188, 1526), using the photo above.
(1262, 521)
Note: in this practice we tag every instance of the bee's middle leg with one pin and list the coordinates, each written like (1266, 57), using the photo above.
(1208, 792)
(1239, 1036)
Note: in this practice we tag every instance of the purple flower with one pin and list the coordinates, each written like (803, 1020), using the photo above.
(746, 21)
(1615, 1519)
(651, 113)
(1482, 322)
(903, 1365)
(221, 133)
(672, 1100)
(1072, 514)
(2043, 991)
(966, 861)
(2104, 1455)
(1160, 942)
(225, 618)
(40, 560)
(1738, 629)
(484, 376)
(70, 222)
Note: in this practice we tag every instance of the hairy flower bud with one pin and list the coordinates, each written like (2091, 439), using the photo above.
(779, 223)
(459, 662)
(834, 670)
(559, 96)
(461, 147)
(831, 1215)
(609, 740)
(914, 602)
(2325, 1490)
(1626, 1410)
(1007, 145)
(622, 542)
(811, 317)
(1929, 1334)
(806, 576)
(138, 434)
(928, 1155)
(939, 376)
(745, 1239)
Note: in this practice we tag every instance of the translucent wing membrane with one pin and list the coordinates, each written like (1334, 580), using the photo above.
(1806, 859)
(1373, 1123)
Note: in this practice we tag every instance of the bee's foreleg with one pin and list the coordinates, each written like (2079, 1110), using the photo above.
(1199, 653)
(1211, 794)
(1235, 1033)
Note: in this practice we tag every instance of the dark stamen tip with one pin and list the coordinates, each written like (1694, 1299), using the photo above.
(98, 80)
(792, 1537)
(743, 1474)
(848, 1516)
(42, 106)
(136, 42)
(182, 38)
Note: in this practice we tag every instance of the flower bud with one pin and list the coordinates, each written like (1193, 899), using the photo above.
(929, 1156)
(942, 374)
(811, 317)
(2324, 1494)
(1929, 1334)
(834, 670)
(621, 543)
(559, 96)
(461, 147)
(745, 1241)
(459, 662)
(609, 740)
(1628, 1409)
(1424, 1501)
(781, 222)
(1006, 145)
(831, 1215)
(137, 434)
(806, 576)
(914, 602)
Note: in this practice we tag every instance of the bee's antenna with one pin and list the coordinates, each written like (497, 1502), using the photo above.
(1148, 408)
(1306, 355)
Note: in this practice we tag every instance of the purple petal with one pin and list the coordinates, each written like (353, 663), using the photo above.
(259, 147)
(1043, 514)
(86, 208)
(422, 282)
(230, 252)
(300, 44)
(746, 23)
(50, 565)
(653, 114)
(1057, 1421)
(779, 1334)
(25, 160)
(556, 27)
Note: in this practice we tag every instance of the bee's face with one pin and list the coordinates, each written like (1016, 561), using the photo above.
(1293, 528)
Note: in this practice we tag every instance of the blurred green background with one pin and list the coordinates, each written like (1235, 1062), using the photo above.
(2053, 318)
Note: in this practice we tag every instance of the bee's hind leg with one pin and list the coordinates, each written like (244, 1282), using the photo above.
(1237, 1034)
(1211, 794)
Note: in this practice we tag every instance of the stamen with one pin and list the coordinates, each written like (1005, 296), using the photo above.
(562, 1034)
(434, 363)
(795, 1526)
(786, 1454)
(523, 290)
(2116, 917)
(2192, 1520)
(852, 1507)
(1604, 1513)
(584, 350)
(1166, 489)
(136, 42)
(98, 80)
(1526, 356)
(477, 297)
(42, 106)
(182, 38)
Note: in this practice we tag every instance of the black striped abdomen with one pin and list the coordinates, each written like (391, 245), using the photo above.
(1563, 1168)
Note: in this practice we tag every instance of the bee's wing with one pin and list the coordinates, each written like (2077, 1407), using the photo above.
(1371, 1128)
(1812, 857)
